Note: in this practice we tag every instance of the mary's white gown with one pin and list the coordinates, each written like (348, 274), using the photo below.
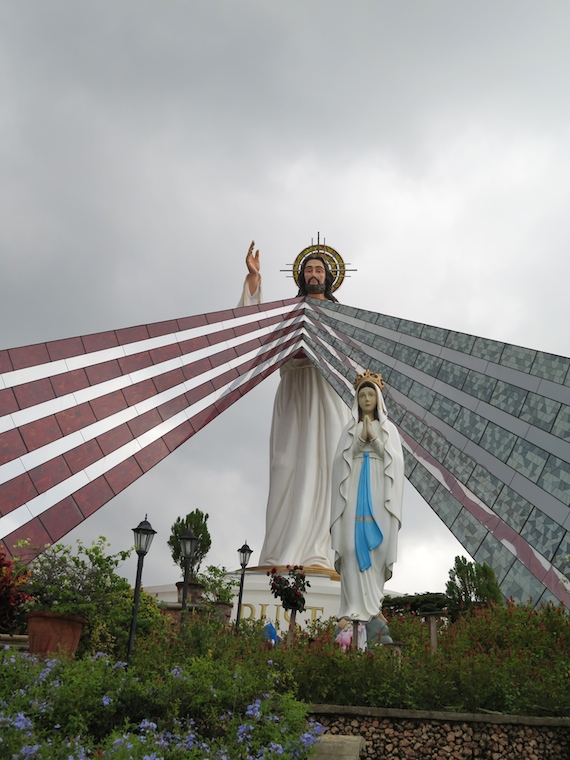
(362, 592)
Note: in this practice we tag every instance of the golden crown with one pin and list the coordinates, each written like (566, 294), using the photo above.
(369, 377)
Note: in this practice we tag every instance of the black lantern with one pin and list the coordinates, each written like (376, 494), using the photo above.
(144, 534)
(244, 554)
(188, 546)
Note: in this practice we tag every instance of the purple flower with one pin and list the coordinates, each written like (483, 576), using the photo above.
(106, 700)
(22, 722)
(254, 710)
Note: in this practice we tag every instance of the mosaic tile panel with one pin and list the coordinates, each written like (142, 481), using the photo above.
(428, 363)
(460, 341)
(413, 426)
(410, 463)
(366, 316)
(540, 411)
(484, 485)
(517, 357)
(468, 531)
(548, 598)
(555, 479)
(422, 395)
(445, 505)
(410, 328)
(528, 459)
(445, 409)
(385, 345)
(494, 554)
(364, 336)
(401, 382)
(392, 323)
(459, 464)
(479, 385)
(543, 533)
(520, 585)
(561, 559)
(550, 367)
(512, 508)
(435, 444)
(561, 427)
(434, 334)
(452, 374)
(395, 411)
(490, 350)
(406, 354)
(424, 482)
(498, 441)
(470, 424)
(508, 397)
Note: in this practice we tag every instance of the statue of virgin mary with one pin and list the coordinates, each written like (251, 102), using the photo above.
(366, 502)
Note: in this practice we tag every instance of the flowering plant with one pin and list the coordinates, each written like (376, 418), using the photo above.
(289, 589)
(13, 578)
(74, 582)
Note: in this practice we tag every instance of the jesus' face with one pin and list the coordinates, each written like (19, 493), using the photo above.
(314, 273)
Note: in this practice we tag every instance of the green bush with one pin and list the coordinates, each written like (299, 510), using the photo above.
(201, 708)
(210, 693)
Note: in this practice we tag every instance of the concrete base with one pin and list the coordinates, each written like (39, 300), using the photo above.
(323, 599)
(337, 747)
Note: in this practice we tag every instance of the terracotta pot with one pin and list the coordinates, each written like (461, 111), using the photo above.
(195, 591)
(224, 610)
(49, 632)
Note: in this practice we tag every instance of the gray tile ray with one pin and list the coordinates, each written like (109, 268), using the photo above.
(497, 417)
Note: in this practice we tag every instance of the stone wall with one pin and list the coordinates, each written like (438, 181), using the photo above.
(411, 734)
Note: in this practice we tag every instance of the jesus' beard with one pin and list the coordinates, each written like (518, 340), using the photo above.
(315, 288)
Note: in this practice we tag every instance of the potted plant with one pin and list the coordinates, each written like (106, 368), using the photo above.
(67, 588)
(219, 589)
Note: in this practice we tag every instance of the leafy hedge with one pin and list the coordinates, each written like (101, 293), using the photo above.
(218, 695)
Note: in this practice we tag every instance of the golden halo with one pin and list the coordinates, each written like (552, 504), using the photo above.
(332, 257)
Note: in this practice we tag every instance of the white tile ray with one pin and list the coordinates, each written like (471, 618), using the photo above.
(61, 366)
(15, 520)
(49, 498)
(67, 443)
(62, 403)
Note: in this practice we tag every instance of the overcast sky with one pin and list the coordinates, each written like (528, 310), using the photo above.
(144, 144)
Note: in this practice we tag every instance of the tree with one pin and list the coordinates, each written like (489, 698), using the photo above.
(197, 521)
(471, 585)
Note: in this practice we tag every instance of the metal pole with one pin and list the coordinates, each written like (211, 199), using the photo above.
(240, 598)
(135, 607)
(184, 594)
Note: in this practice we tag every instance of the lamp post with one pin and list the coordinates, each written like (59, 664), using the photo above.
(244, 554)
(188, 545)
(144, 534)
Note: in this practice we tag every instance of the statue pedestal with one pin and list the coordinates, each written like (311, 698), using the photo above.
(322, 598)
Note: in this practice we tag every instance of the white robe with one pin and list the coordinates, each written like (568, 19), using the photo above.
(308, 417)
(362, 592)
